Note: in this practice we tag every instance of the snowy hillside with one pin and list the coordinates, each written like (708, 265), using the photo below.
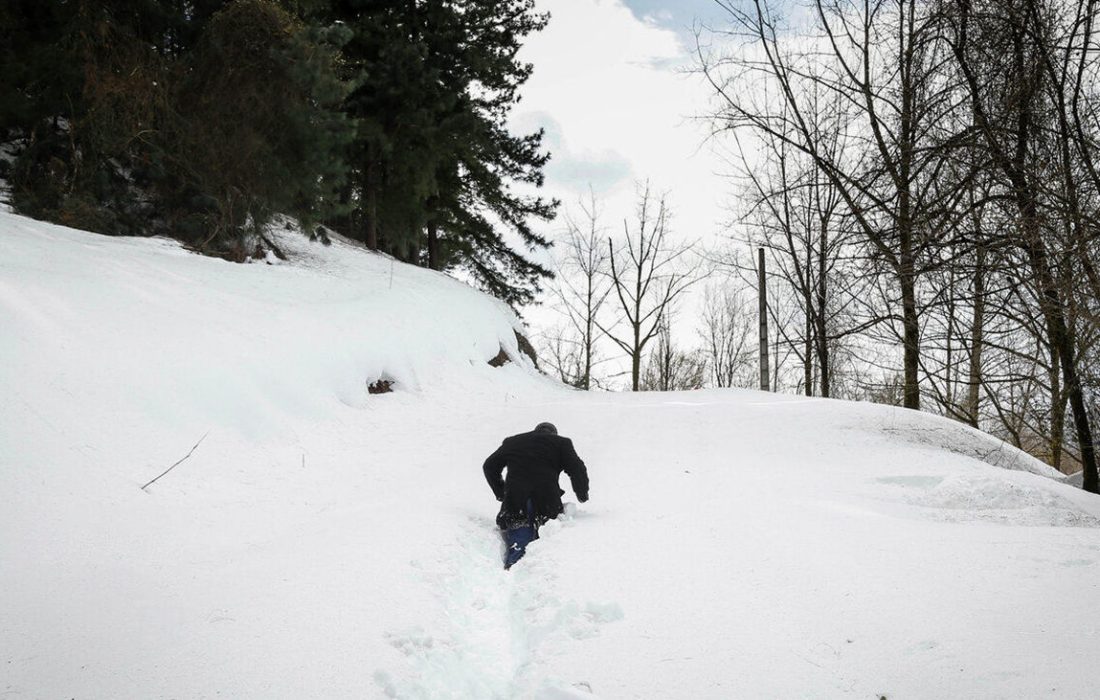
(325, 542)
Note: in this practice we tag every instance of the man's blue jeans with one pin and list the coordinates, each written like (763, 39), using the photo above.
(518, 536)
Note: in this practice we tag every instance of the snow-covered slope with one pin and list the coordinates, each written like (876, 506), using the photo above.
(323, 542)
(108, 340)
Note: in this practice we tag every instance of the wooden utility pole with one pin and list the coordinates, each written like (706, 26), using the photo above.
(762, 284)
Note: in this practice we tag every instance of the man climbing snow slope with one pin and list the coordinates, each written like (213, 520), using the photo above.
(529, 494)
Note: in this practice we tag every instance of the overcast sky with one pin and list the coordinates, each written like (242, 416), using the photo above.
(611, 89)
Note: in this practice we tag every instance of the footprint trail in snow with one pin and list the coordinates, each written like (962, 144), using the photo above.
(498, 631)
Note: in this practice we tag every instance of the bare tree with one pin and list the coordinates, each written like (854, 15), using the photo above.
(727, 336)
(1009, 85)
(669, 369)
(560, 350)
(953, 148)
(797, 216)
(583, 283)
(883, 60)
(648, 274)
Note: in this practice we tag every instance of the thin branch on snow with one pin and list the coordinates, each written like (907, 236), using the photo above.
(181, 461)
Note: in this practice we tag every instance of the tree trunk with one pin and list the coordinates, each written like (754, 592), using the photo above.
(911, 342)
(763, 310)
(910, 322)
(589, 322)
(950, 382)
(1061, 338)
(345, 222)
(433, 246)
(1057, 409)
(808, 328)
(974, 378)
(636, 358)
(370, 194)
(822, 337)
(586, 379)
(905, 220)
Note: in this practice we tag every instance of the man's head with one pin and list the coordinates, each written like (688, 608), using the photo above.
(546, 428)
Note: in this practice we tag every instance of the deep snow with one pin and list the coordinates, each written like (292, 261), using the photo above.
(323, 542)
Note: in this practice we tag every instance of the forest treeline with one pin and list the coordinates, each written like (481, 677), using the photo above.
(204, 119)
(925, 176)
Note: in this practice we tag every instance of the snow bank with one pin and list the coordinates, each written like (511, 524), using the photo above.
(324, 542)
(105, 338)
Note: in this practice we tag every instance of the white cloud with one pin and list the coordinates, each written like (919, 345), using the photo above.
(611, 91)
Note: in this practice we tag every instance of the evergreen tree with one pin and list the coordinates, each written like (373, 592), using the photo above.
(202, 118)
(476, 196)
(434, 162)
(81, 84)
(37, 75)
(255, 127)
(192, 118)
(397, 106)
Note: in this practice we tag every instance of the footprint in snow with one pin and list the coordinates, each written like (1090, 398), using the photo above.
(496, 628)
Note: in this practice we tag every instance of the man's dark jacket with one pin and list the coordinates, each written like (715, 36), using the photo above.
(534, 461)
